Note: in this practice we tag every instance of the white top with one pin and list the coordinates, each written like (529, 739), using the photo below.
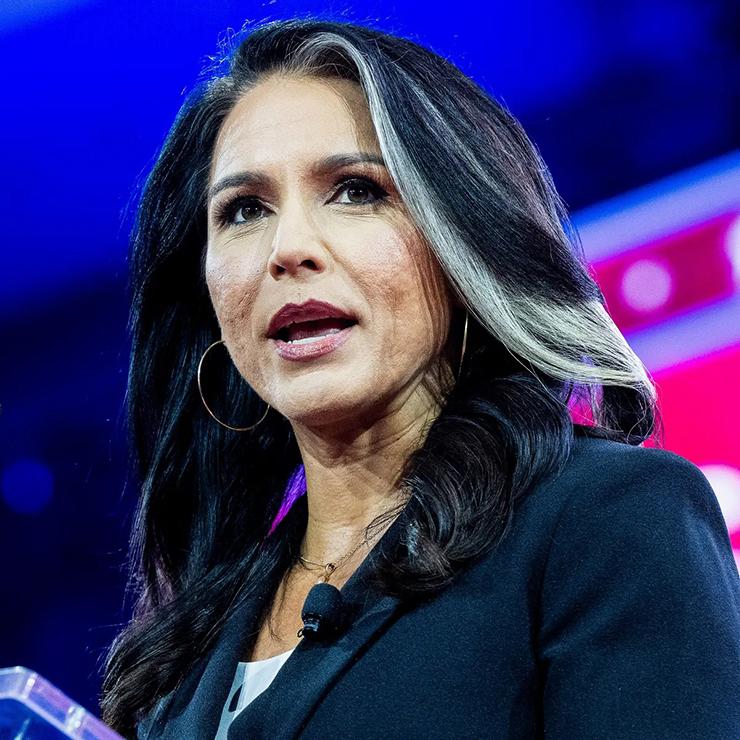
(250, 681)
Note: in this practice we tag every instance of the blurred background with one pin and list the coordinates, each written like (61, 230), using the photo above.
(634, 106)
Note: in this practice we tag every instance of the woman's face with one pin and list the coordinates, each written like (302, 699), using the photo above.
(301, 208)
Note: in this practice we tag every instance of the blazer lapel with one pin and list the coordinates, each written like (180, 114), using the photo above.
(282, 710)
(195, 709)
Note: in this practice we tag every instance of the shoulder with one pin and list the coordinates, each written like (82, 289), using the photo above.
(633, 514)
(617, 509)
(614, 511)
(639, 596)
(612, 501)
(608, 474)
(595, 458)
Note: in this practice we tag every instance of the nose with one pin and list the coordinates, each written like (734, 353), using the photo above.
(297, 247)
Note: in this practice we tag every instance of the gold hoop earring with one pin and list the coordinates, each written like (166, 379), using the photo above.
(464, 344)
(200, 390)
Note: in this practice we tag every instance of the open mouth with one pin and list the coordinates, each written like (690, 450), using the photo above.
(303, 332)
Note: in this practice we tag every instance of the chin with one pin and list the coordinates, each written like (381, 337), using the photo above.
(327, 407)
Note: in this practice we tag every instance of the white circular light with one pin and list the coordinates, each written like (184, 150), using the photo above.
(732, 244)
(646, 285)
(725, 481)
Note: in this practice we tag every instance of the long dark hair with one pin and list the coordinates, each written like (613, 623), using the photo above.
(541, 347)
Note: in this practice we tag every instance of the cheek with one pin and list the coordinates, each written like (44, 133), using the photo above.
(407, 281)
(422, 315)
(233, 285)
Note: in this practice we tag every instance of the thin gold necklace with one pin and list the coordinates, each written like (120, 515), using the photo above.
(329, 568)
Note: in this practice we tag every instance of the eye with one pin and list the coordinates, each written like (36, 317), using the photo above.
(238, 210)
(246, 210)
(360, 191)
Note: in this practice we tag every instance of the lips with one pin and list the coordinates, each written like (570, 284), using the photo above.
(301, 319)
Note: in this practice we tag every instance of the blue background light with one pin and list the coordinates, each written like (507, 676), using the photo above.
(27, 486)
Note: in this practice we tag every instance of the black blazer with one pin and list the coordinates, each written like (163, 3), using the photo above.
(611, 609)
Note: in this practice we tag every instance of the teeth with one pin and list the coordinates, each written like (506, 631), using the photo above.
(312, 339)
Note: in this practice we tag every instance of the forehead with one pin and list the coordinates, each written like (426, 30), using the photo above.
(291, 120)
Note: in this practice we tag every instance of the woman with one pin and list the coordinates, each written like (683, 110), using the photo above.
(348, 251)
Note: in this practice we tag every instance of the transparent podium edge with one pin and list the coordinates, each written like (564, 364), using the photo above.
(52, 705)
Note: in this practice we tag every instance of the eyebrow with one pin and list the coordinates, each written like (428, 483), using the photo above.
(333, 162)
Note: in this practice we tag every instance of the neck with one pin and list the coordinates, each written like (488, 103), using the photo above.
(353, 475)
